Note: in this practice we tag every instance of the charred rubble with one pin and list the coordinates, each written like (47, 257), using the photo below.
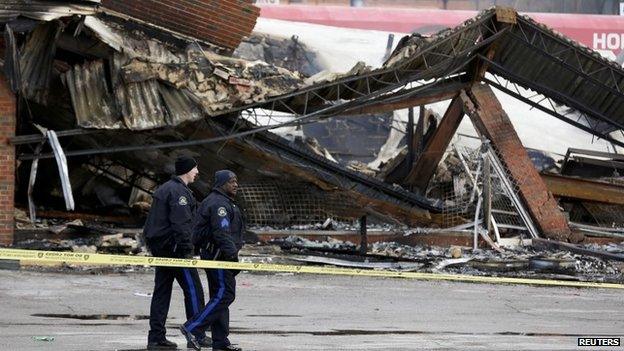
(106, 101)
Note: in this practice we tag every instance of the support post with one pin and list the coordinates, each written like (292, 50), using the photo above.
(420, 133)
(363, 237)
(410, 136)
(487, 193)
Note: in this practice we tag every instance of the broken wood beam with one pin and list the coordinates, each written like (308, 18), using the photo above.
(94, 217)
(424, 167)
(558, 245)
(584, 189)
(492, 122)
(353, 236)
(442, 92)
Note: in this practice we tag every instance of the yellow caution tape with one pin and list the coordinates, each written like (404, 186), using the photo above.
(102, 259)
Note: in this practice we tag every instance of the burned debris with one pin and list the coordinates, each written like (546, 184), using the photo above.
(107, 98)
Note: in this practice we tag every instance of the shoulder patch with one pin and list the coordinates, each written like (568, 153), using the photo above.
(222, 212)
(182, 201)
(225, 223)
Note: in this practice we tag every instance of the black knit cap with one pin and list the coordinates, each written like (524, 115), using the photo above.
(184, 164)
(221, 177)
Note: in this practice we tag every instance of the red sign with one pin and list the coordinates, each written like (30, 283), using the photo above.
(599, 32)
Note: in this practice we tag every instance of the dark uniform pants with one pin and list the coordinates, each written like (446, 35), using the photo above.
(216, 314)
(193, 298)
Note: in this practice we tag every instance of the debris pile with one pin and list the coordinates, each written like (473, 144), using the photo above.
(302, 243)
(77, 236)
(519, 262)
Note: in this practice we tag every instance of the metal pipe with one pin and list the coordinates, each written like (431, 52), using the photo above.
(476, 225)
(37, 138)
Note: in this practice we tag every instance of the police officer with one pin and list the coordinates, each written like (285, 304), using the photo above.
(168, 233)
(219, 234)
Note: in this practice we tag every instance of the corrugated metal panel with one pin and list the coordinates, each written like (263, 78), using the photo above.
(139, 103)
(36, 60)
(93, 103)
(45, 10)
(134, 105)
(180, 108)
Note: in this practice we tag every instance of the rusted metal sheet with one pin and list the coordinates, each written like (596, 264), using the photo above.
(584, 189)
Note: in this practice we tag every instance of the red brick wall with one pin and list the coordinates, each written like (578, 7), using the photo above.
(7, 162)
(221, 22)
(492, 121)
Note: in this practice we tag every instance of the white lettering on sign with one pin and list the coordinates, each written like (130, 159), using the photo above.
(268, 2)
(613, 41)
(608, 41)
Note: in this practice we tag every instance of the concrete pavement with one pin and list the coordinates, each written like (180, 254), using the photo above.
(307, 312)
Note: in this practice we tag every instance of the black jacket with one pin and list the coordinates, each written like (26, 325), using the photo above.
(219, 227)
(169, 224)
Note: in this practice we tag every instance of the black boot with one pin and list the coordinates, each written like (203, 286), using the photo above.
(191, 341)
(205, 342)
(162, 345)
(227, 348)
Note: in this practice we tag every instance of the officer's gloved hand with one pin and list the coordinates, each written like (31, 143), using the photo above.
(184, 252)
(233, 259)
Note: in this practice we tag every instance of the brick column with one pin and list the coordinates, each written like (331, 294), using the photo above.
(490, 119)
(7, 162)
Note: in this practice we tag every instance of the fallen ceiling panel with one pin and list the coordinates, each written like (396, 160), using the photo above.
(45, 10)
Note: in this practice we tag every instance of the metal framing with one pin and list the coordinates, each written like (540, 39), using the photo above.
(512, 89)
(579, 52)
(518, 204)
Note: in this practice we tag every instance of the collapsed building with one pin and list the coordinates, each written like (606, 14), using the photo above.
(100, 97)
